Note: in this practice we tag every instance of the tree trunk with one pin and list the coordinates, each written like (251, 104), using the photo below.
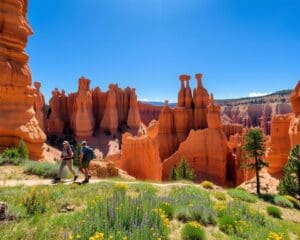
(257, 176)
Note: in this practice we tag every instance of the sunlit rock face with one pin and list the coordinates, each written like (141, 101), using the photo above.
(140, 154)
(17, 115)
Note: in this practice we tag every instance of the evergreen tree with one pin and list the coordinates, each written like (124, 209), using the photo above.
(173, 173)
(254, 149)
(184, 171)
(22, 149)
(290, 183)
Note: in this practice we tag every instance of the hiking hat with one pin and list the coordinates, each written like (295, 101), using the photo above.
(65, 142)
(84, 143)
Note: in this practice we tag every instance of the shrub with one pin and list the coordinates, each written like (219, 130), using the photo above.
(35, 200)
(227, 224)
(121, 186)
(274, 211)
(137, 217)
(283, 202)
(203, 214)
(22, 149)
(168, 209)
(192, 231)
(43, 169)
(275, 236)
(183, 214)
(207, 185)
(182, 172)
(220, 196)
(242, 195)
(292, 200)
(11, 156)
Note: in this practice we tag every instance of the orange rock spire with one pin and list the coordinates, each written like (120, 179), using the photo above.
(17, 116)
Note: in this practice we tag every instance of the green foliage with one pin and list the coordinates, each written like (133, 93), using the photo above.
(283, 202)
(173, 174)
(290, 183)
(197, 204)
(245, 222)
(23, 150)
(43, 169)
(227, 224)
(16, 155)
(220, 196)
(254, 148)
(182, 172)
(122, 216)
(192, 231)
(168, 209)
(293, 200)
(242, 195)
(35, 201)
(274, 211)
(207, 185)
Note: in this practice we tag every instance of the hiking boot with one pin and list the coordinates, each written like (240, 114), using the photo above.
(56, 180)
(85, 181)
(75, 178)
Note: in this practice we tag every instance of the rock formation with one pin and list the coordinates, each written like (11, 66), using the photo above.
(134, 119)
(55, 121)
(40, 107)
(208, 157)
(140, 155)
(17, 116)
(110, 118)
(149, 112)
(294, 129)
(280, 145)
(83, 116)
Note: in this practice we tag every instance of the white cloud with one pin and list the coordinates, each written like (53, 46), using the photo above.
(257, 94)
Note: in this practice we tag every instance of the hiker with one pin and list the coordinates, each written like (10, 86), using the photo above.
(86, 155)
(66, 159)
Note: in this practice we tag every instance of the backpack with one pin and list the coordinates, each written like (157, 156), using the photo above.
(89, 155)
(73, 149)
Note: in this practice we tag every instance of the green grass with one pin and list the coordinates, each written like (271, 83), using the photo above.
(192, 231)
(282, 201)
(242, 195)
(136, 210)
(274, 211)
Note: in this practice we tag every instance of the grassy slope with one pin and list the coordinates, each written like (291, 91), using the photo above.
(55, 223)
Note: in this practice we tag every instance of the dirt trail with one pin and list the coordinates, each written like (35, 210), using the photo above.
(34, 182)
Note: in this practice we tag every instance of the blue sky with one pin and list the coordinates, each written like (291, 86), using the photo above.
(241, 46)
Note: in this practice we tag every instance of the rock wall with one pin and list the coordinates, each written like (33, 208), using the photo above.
(205, 150)
(140, 154)
(17, 97)
(149, 112)
(89, 110)
(40, 107)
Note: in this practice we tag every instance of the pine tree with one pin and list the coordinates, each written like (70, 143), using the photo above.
(254, 149)
(22, 149)
(290, 183)
(184, 171)
(173, 173)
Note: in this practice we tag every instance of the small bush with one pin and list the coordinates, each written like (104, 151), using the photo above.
(292, 200)
(204, 215)
(283, 202)
(242, 195)
(192, 231)
(35, 201)
(207, 185)
(274, 211)
(220, 196)
(11, 156)
(227, 224)
(43, 169)
(183, 214)
(168, 209)
(121, 186)
(182, 172)
(22, 149)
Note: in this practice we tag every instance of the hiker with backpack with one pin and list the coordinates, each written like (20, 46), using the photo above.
(66, 159)
(86, 155)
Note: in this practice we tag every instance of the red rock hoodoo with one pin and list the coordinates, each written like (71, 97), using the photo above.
(17, 97)
(140, 154)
